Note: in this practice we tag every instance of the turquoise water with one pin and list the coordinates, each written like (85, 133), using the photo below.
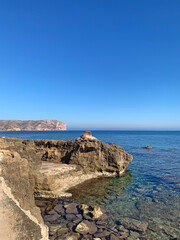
(150, 191)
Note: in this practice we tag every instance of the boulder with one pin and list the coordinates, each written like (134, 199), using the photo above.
(84, 208)
(96, 212)
(92, 212)
(85, 227)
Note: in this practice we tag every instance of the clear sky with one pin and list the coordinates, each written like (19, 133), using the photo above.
(94, 64)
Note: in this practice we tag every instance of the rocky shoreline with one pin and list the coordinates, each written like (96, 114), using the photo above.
(48, 169)
(71, 220)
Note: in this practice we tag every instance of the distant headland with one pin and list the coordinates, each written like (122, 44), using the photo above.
(32, 125)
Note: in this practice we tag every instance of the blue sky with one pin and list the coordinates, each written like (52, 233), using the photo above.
(94, 64)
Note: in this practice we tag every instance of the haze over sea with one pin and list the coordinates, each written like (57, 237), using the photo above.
(150, 190)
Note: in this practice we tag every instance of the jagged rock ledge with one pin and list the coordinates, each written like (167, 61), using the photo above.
(48, 168)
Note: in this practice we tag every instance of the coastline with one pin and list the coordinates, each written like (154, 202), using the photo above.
(53, 178)
(65, 177)
(141, 194)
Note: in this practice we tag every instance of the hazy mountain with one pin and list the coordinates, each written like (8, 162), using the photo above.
(31, 125)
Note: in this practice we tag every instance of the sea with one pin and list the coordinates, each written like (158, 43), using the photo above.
(150, 189)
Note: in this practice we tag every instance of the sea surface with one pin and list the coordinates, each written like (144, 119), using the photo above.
(150, 190)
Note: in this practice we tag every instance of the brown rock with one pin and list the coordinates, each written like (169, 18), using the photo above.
(113, 237)
(59, 209)
(71, 226)
(71, 208)
(61, 232)
(52, 212)
(123, 232)
(71, 236)
(105, 233)
(134, 224)
(148, 147)
(53, 228)
(89, 154)
(87, 237)
(92, 212)
(84, 208)
(96, 212)
(101, 222)
(70, 217)
(51, 218)
(134, 234)
(85, 227)
(79, 216)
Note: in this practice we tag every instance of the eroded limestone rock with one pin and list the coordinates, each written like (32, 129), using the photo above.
(19, 217)
(51, 168)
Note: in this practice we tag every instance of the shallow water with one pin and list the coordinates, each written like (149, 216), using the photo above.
(150, 191)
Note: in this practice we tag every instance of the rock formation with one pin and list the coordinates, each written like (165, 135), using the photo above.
(66, 163)
(32, 125)
(148, 147)
(19, 217)
(86, 152)
(48, 167)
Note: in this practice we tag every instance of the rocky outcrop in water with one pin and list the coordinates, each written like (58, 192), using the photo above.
(86, 152)
(63, 164)
(48, 167)
(31, 125)
(147, 147)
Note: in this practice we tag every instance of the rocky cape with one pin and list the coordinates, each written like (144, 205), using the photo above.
(48, 168)
(31, 125)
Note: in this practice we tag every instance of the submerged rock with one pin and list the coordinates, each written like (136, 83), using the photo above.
(85, 227)
(93, 212)
(97, 212)
(71, 236)
(71, 208)
(133, 224)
